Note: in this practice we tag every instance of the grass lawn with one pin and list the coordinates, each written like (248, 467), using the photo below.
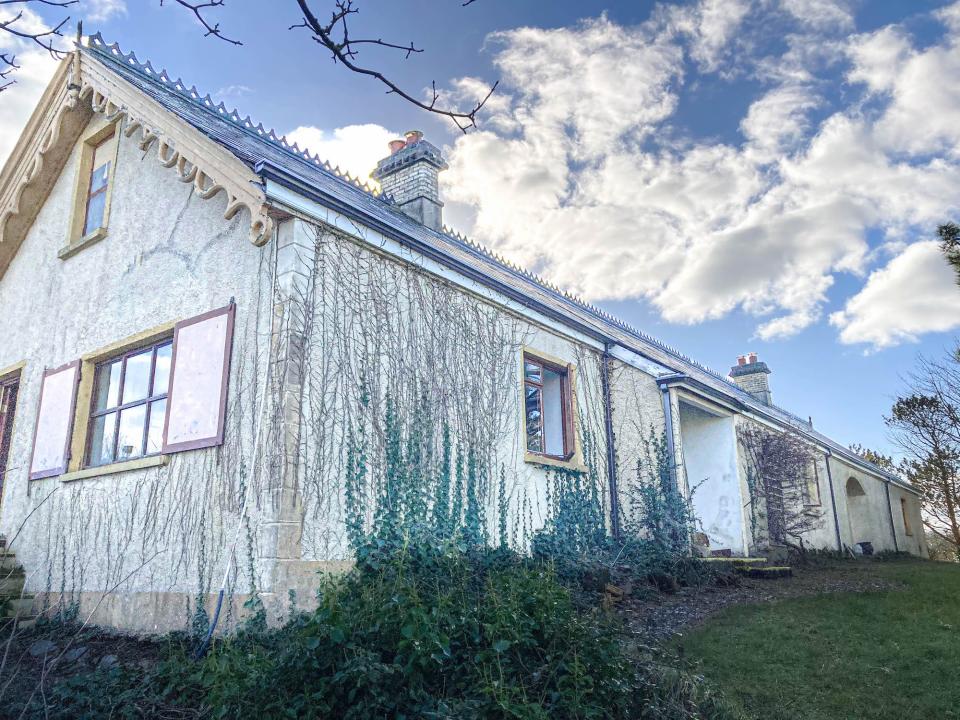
(886, 655)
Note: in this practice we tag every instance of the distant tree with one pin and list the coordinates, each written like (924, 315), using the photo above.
(877, 458)
(925, 423)
(778, 469)
(950, 244)
(940, 549)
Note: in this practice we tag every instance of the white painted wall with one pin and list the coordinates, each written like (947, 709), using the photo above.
(710, 463)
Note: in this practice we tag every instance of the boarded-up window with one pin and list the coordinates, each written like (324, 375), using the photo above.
(51, 439)
(198, 387)
(811, 493)
(907, 528)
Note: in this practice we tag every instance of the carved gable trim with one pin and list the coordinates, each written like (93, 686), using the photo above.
(82, 86)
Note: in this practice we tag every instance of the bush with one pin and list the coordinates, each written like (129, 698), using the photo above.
(422, 632)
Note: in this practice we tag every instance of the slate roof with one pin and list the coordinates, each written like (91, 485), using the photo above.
(271, 155)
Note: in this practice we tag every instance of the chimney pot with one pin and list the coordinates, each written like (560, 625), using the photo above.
(410, 176)
(751, 376)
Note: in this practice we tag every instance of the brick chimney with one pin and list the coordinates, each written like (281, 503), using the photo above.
(410, 175)
(751, 376)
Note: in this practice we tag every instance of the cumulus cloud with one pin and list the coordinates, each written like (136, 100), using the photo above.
(915, 293)
(580, 172)
(36, 68)
(355, 148)
(821, 14)
(103, 10)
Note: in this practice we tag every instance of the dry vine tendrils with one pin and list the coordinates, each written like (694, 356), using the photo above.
(335, 36)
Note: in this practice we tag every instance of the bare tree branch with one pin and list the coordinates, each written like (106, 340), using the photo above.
(198, 8)
(45, 36)
(335, 37)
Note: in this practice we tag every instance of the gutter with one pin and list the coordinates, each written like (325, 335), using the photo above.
(611, 447)
(833, 501)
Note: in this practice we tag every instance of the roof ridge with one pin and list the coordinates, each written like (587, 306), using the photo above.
(577, 300)
(114, 52)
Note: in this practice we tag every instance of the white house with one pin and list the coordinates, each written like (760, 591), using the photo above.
(208, 338)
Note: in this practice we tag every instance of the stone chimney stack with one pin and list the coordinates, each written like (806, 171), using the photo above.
(751, 376)
(410, 175)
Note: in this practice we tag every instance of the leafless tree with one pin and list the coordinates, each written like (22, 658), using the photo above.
(19, 29)
(925, 423)
(334, 35)
(199, 11)
(778, 471)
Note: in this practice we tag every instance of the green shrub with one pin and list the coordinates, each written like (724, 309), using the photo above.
(420, 632)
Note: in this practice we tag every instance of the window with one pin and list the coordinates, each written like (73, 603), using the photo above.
(906, 518)
(97, 186)
(8, 405)
(548, 411)
(93, 189)
(812, 490)
(129, 405)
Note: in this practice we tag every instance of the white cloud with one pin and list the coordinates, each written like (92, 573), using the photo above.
(915, 293)
(711, 25)
(103, 10)
(18, 101)
(355, 148)
(579, 173)
(777, 122)
(821, 14)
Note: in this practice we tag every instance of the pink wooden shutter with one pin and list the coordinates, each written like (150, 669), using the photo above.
(51, 436)
(199, 373)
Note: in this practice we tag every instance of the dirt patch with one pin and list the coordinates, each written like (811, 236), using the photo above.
(661, 616)
(55, 652)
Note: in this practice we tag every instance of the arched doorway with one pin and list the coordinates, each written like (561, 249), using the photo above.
(858, 514)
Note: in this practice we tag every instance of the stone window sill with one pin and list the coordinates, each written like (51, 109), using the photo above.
(114, 468)
(574, 463)
(86, 241)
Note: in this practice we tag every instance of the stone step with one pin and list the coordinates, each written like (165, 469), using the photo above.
(7, 558)
(23, 622)
(11, 584)
(19, 606)
(735, 560)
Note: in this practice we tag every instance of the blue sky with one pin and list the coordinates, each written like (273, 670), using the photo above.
(728, 175)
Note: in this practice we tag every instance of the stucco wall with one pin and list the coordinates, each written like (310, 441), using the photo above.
(869, 517)
(710, 463)
(168, 255)
(387, 329)
(339, 316)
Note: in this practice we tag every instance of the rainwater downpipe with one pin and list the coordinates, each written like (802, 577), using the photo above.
(833, 503)
(611, 448)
